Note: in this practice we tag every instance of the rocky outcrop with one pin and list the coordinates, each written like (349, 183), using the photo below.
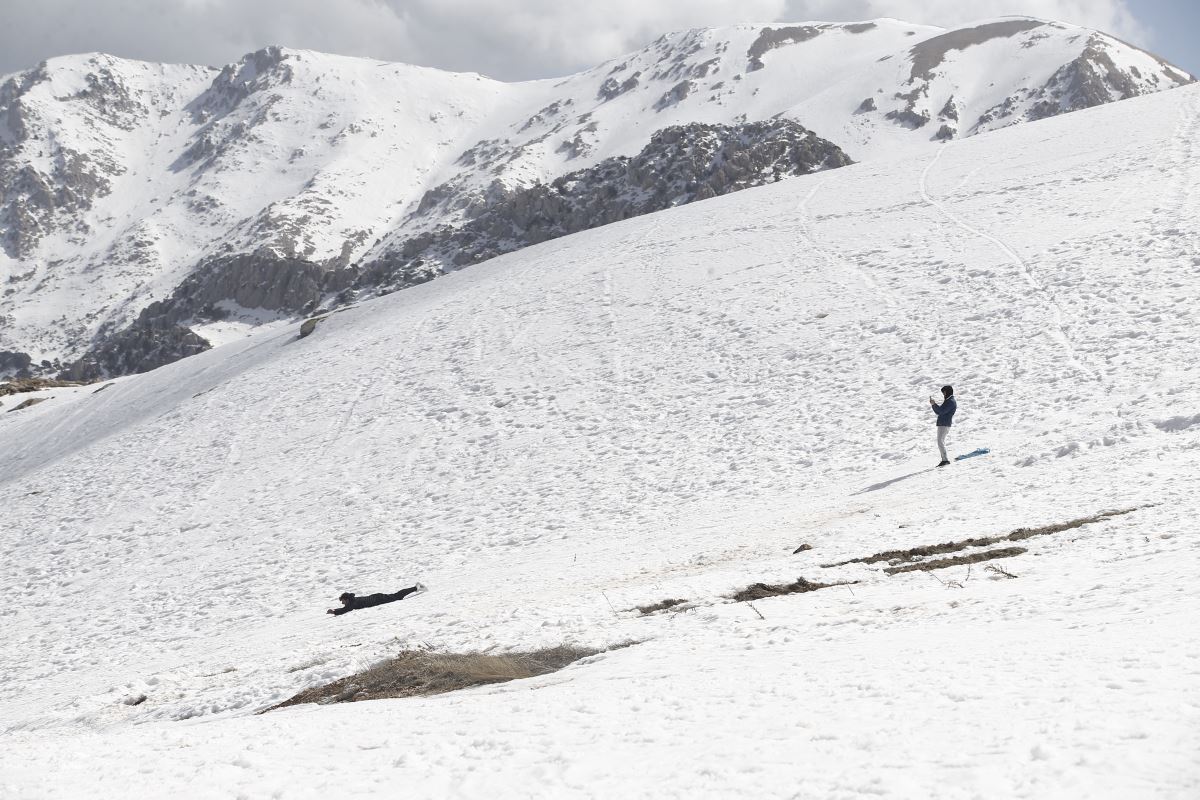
(213, 110)
(51, 191)
(14, 363)
(680, 165)
(676, 94)
(261, 279)
(141, 347)
(1090, 80)
(162, 333)
(236, 82)
(612, 88)
(111, 100)
(14, 116)
(33, 201)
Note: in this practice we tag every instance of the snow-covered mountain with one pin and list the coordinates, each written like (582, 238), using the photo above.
(149, 210)
(667, 407)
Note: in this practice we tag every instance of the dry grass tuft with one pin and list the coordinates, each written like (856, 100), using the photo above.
(661, 605)
(759, 591)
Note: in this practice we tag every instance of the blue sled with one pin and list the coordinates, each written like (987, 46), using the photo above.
(982, 451)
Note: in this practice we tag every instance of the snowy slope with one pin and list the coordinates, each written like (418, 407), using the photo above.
(664, 407)
(285, 171)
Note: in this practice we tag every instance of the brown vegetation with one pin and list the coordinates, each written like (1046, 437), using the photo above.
(416, 673)
(758, 591)
(1020, 534)
(972, 558)
(22, 385)
(661, 605)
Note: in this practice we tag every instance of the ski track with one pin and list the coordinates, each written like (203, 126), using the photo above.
(1060, 332)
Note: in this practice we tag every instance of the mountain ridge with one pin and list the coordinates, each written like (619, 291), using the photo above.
(339, 162)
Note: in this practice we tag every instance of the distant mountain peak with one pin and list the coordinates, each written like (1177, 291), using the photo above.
(123, 181)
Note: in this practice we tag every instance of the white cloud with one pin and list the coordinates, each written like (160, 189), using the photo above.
(512, 40)
(536, 38)
(1111, 16)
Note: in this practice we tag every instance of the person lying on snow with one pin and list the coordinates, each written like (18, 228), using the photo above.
(350, 601)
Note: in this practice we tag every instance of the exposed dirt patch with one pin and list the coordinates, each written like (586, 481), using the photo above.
(33, 401)
(21, 385)
(972, 558)
(759, 591)
(661, 605)
(1020, 534)
(932, 52)
(416, 673)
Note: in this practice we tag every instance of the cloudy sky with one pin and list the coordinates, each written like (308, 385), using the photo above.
(507, 39)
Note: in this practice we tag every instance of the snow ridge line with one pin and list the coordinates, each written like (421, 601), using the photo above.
(1060, 331)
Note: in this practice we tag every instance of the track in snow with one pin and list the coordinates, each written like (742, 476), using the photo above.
(1060, 332)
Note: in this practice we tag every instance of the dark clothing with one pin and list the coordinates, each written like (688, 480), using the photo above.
(945, 412)
(352, 602)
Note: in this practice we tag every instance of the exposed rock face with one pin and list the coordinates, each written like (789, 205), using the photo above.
(256, 73)
(612, 88)
(161, 335)
(252, 280)
(34, 200)
(139, 348)
(36, 196)
(1092, 79)
(111, 100)
(14, 363)
(677, 94)
(13, 115)
(680, 165)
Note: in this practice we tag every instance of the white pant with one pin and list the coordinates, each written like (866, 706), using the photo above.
(942, 431)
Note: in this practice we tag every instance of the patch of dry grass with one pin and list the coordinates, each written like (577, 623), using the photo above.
(416, 673)
(972, 558)
(1020, 534)
(759, 591)
(661, 605)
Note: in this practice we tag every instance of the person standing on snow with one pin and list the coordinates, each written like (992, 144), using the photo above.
(945, 413)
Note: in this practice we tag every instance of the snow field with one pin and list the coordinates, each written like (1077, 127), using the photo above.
(661, 408)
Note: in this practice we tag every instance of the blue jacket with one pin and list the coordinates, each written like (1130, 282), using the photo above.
(945, 412)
